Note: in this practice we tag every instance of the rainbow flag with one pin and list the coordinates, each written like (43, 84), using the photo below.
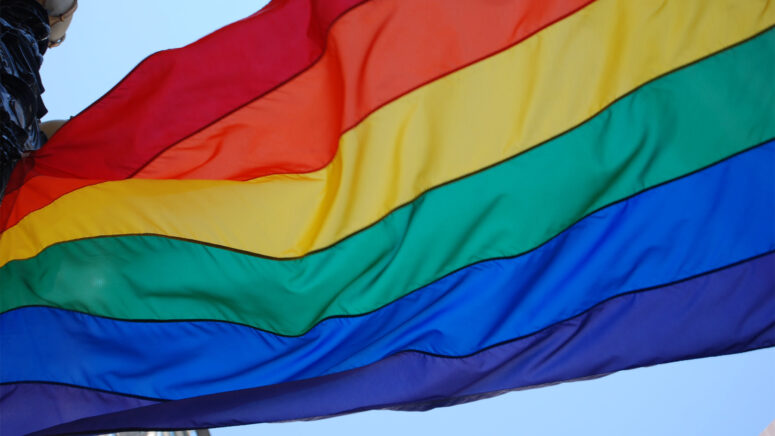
(340, 205)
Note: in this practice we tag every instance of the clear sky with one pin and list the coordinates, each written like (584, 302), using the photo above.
(731, 395)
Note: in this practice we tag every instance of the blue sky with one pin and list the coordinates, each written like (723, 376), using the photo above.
(731, 395)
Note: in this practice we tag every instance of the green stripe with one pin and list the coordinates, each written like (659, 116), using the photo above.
(668, 128)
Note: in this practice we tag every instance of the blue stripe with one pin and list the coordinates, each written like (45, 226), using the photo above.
(727, 311)
(710, 219)
(22, 405)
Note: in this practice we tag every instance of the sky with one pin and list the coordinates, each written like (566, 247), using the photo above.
(729, 395)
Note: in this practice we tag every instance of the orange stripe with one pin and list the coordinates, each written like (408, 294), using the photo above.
(375, 54)
(378, 52)
(39, 192)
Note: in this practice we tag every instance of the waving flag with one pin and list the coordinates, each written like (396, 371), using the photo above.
(339, 205)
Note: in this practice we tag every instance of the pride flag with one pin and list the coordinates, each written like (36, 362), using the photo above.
(340, 205)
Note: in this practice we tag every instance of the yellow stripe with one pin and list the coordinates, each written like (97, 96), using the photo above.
(453, 126)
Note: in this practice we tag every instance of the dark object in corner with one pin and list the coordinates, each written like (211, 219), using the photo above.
(24, 34)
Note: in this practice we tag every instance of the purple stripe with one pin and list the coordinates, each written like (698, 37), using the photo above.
(728, 311)
(24, 402)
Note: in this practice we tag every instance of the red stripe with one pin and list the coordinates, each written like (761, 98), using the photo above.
(173, 94)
